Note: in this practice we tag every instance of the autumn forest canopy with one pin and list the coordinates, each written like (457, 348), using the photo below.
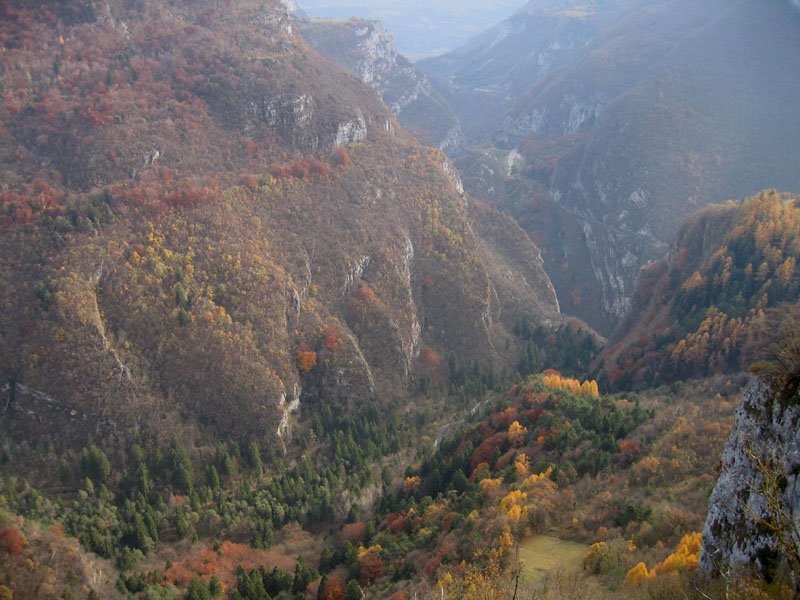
(285, 315)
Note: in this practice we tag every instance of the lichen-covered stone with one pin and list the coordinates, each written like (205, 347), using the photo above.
(764, 428)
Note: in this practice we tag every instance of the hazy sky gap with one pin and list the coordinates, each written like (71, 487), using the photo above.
(420, 27)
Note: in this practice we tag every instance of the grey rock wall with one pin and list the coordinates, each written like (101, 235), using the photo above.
(765, 430)
(367, 50)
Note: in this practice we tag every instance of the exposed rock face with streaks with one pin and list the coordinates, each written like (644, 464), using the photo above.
(766, 431)
(366, 49)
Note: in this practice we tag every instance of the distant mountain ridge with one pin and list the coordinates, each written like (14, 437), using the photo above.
(618, 119)
(483, 79)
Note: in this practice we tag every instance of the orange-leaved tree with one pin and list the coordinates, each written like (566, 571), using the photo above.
(329, 338)
(306, 359)
(340, 158)
(517, 433)
(12, 541)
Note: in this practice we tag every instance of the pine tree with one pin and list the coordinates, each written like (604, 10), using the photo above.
(352, 591)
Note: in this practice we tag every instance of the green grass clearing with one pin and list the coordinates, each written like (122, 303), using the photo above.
(543, 554)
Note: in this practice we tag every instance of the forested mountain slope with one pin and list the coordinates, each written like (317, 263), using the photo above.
(206, 223)
(696, 312)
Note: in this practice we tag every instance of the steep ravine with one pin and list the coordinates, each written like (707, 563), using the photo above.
(603, 125)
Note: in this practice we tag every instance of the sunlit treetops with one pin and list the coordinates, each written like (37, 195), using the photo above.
(555, 381)
(685, 558)
(698, 311)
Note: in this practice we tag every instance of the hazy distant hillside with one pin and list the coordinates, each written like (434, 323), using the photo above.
(655, 110)
(483, 78)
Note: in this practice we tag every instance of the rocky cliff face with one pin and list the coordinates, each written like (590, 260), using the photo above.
(764, 449)
(367, 50)
(290, 6)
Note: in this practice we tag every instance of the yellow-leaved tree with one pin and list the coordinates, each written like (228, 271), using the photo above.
(685, 558)
(517, 434)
